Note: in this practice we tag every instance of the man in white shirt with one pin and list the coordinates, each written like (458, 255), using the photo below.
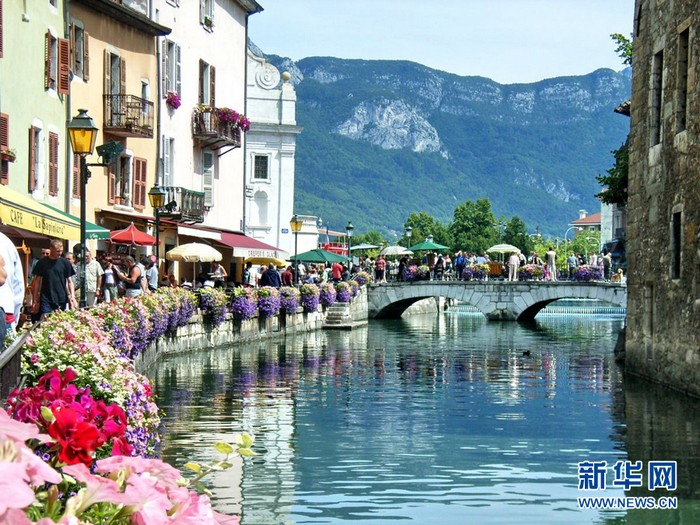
(12, 292)
(93, 279)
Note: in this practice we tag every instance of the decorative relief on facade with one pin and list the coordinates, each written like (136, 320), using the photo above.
(267, 76)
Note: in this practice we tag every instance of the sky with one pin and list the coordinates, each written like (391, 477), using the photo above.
(509, 41)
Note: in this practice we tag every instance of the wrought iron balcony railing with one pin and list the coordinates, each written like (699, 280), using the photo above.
(211, 132)
(128, 116)
(183, 205)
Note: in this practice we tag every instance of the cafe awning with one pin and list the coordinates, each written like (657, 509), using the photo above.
(26, 213)
(244, 246)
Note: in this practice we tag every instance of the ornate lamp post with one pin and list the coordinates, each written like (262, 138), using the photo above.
(157, 195)
(408, 231)
(82, 133)
(349, 229)
(295, 224)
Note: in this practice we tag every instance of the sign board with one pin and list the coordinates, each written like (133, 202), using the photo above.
(285, 230)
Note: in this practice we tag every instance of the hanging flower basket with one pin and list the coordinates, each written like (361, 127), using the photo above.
(173, 100)
(8, 154)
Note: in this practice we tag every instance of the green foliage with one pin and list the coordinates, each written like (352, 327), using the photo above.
(585, 242)
(423, 225)
(515, 233)
(616, 180)
(474, 227)
(624, 48)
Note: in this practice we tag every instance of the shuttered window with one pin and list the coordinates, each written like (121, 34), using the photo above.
(63, 66)
(53, 164)
(139, 184)
(79, 54)
(4, 144)
(207, 81)
(50, 65)
(33, 157)
(112, 182)
(171, 65)
(208, 177)
(75, 179)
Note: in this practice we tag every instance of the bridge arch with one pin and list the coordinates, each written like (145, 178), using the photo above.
(497, 300)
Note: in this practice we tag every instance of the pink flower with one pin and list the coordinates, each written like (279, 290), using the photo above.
(16, 493)
(97, 489)
(18, 431)
(137, 465)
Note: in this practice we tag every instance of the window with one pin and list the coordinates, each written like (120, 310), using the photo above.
(34, 157)
(53, 164)
(208, 177)
(657, 69)
(206, 14)
(118, 180)
(75, 179)
(261, 166)
(114, 85)
(139, 186)
(79, 59)
(207, 78)
(168, 162)
(676, 246)
(57, 64)
(682, 102)
(5, 144)
(171, 68)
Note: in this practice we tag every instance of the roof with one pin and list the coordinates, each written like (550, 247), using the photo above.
(589, 220)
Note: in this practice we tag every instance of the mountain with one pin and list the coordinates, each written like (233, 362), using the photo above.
(383, 139)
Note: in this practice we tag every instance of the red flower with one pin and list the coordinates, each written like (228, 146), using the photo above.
(77, 439)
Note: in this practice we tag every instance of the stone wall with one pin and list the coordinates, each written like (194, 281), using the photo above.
(663, 331)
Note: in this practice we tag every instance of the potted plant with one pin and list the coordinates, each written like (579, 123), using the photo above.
(173, 100)
(8, 154)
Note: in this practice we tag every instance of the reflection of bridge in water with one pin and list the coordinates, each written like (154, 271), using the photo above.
(497, 300)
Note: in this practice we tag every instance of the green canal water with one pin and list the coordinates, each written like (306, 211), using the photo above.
(445, 419)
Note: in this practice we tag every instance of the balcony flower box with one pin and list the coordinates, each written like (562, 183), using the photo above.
(8, 155)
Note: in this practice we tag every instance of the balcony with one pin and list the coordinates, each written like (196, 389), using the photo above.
(128, 116)
(211, 132)
(183, 205)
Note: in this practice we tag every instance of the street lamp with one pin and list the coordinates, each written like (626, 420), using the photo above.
(82, 133)
(407, 230)
(295, 224)
(157, 195)
(349, 229)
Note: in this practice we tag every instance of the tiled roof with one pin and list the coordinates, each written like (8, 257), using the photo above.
(590, 220)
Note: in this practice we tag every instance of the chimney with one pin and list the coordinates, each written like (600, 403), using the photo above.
(582, 214)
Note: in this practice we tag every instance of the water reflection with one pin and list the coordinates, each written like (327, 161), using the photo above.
(447, 418)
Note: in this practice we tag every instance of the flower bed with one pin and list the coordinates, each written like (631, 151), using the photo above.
(310, 295)
(289, 299)
(244, 303)
(587, 272)
(327, 294)
(268, 301)
(343, 292)
(213, 303)
(530, 272)
(362, 278)
(475, 272)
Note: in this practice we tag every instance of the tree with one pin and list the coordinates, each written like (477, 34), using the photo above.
(516, 234)
(616, 181)
(423, 225)
(474, 227)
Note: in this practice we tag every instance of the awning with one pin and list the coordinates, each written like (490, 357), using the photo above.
(92, 230)
(244, 246)
(199, 232)
(22, 211)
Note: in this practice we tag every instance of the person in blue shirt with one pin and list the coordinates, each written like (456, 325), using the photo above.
(271, 277)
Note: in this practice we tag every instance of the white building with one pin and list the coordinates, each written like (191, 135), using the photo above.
(269, 152)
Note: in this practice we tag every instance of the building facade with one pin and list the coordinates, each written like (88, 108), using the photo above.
(270, 150)
(663, 220)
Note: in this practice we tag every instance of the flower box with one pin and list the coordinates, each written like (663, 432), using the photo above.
(8, 155)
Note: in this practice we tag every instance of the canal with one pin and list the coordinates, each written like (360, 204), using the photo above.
(444, 419)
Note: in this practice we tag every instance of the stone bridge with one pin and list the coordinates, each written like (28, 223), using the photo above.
(497, 300)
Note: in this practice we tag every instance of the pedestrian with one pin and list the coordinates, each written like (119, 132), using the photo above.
(271, 277)
(513, 265)
(337, 272)
(53, 286)
(12, 289)
(132, 278)
(218, 274)
(551, 261)
(92, 280)
(459, 264)
(109, 281)
(288, 277)
(151, 274)
(380, 269)
(572, 263)
(607, 265)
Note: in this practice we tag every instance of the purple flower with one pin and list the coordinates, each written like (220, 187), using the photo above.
(327, 294)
